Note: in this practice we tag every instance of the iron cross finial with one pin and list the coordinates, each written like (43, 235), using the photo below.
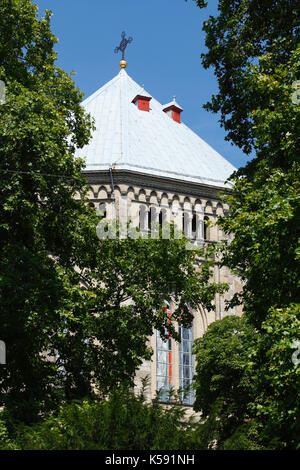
(123, 44)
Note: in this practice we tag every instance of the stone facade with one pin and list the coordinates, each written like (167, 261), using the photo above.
(130, 196)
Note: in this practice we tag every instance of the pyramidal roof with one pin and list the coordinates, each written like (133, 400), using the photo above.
(146, 142)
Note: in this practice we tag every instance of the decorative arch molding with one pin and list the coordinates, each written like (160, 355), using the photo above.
(90, 193)
(142, 196)
(175, 199)
(130, 193)
(219, 209)
(197, 205)
(117, 191)
(208, 208)
(153, 198)
(102, 193)
(164, 200)
(187, 204)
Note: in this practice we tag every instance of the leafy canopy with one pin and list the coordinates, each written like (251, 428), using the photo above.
(244, 32)
(223, 383)
(253, 47)
(41, 121)
(74, 315)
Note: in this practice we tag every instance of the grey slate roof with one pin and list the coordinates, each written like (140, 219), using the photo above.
(146, 142)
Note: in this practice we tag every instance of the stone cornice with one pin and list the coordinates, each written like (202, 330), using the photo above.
(154, 182)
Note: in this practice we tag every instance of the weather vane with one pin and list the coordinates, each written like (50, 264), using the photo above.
(122, 47)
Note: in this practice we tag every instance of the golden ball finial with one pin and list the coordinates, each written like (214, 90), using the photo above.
(123, 64)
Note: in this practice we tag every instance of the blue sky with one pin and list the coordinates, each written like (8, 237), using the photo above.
(164, 55)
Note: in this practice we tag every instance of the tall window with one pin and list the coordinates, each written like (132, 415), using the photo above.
(206, 228)
(186, 364)
(164, 364)
(160, 219)
(149, 218)
(163, 367)
(102, 210)
(194, 226)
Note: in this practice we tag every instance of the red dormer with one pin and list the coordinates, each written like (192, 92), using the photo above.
(142, 101)
(173, 110)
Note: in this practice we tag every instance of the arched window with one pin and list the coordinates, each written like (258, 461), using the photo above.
(206, 228)
(102, 211)
(186, 364)
(149, 218)
(164, 362)
(167, 356)
(160, 219)
(194, 226)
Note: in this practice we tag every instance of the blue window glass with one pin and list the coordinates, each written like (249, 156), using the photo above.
(186, 365)
(163, 367)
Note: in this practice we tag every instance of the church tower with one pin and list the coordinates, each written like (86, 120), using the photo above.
(144, 164)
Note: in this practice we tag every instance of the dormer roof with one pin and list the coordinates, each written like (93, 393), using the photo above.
(173, 110)
(172, 104)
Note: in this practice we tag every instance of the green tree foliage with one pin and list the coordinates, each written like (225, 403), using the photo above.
(277, 398)
(223, 382)
(109, 321)
(247, 382)
(264, 219)
(247, 437)
(253, 47)
(74, 314)
(121, 422)
(40, 124)
(265, 211)
(243, 32)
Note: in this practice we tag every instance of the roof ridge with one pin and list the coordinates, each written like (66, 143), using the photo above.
(101, 89)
